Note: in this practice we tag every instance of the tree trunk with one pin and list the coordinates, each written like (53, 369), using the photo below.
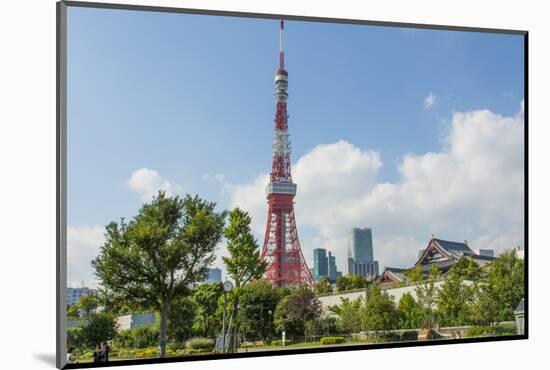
(165, 309)
(234, 327)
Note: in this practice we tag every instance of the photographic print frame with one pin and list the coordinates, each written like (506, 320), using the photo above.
(62, 182)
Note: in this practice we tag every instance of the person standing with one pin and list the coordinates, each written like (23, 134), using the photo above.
(97, 353)
(105, 351)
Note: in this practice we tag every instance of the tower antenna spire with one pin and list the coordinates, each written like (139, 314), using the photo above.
(286, 265)
(281, 46)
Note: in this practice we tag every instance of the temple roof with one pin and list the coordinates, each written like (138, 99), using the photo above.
(456, 248)
(395, 272)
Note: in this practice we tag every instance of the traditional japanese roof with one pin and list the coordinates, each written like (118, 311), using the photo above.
(439, 250)
(392, 274)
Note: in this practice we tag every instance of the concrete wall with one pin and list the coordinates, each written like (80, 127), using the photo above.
(395, 293)
(135, 320)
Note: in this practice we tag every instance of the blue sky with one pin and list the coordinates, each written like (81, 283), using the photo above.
(192, 95)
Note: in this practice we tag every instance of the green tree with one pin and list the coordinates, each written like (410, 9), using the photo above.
(294, 310)
(244, 263)
(483, 310)
(206, 298)
(456, 294)
(73, 313)
(352, 282)
(323, 286)
(379, 313)
(426, 291)
(349, 315)
(151, 260)
(410, 312)
(87, 305)
(99, 327)
(258, 301)
(506, 284)
(181, 317)
(319, 326)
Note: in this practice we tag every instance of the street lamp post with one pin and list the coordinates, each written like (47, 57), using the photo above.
(227, 287)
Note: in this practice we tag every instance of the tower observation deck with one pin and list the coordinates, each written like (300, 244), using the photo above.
(281, 248)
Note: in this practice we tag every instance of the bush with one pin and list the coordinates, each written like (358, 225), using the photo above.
(175, 346)
(200, 344)
(74, 337)
(483, 331)
(142, 337)
(198, 351)
(332, 340)
(280, 342)
(147, 353)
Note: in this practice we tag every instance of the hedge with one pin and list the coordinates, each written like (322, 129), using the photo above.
(332, 340)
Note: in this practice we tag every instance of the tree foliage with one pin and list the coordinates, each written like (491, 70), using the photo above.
(206, 298)
(351, 282)
(99, 327)
(243, 264)
(183, 311)
(411, 314)
(426, 291)
(258, 301)
(151, 260)
(348, 314)
(379, 312)
(323, 286)
(456, 295)
(506, 284)
(294, 310)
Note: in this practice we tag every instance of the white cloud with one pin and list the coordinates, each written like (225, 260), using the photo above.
(216, 178)
(83, 245)
(470, 190)
(429, 101)
(147, 183)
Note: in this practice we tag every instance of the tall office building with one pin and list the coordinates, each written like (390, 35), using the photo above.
(360, 253)
(332, 271)
(320, 263)
(323, 265)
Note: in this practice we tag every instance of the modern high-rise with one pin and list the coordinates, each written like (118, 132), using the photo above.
(332, 271)
(324, 265)
(320, 263)
(360, 259)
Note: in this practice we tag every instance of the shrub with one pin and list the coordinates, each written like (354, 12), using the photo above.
(147, 353)
(332, 340)
(175, 346)
(200, 344)
(481, 331)
(142, 337)
(198, 351)
(279, 342)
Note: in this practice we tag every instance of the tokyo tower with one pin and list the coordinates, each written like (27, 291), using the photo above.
(281, 249)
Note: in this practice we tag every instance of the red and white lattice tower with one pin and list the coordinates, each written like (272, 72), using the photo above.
(286, 263)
